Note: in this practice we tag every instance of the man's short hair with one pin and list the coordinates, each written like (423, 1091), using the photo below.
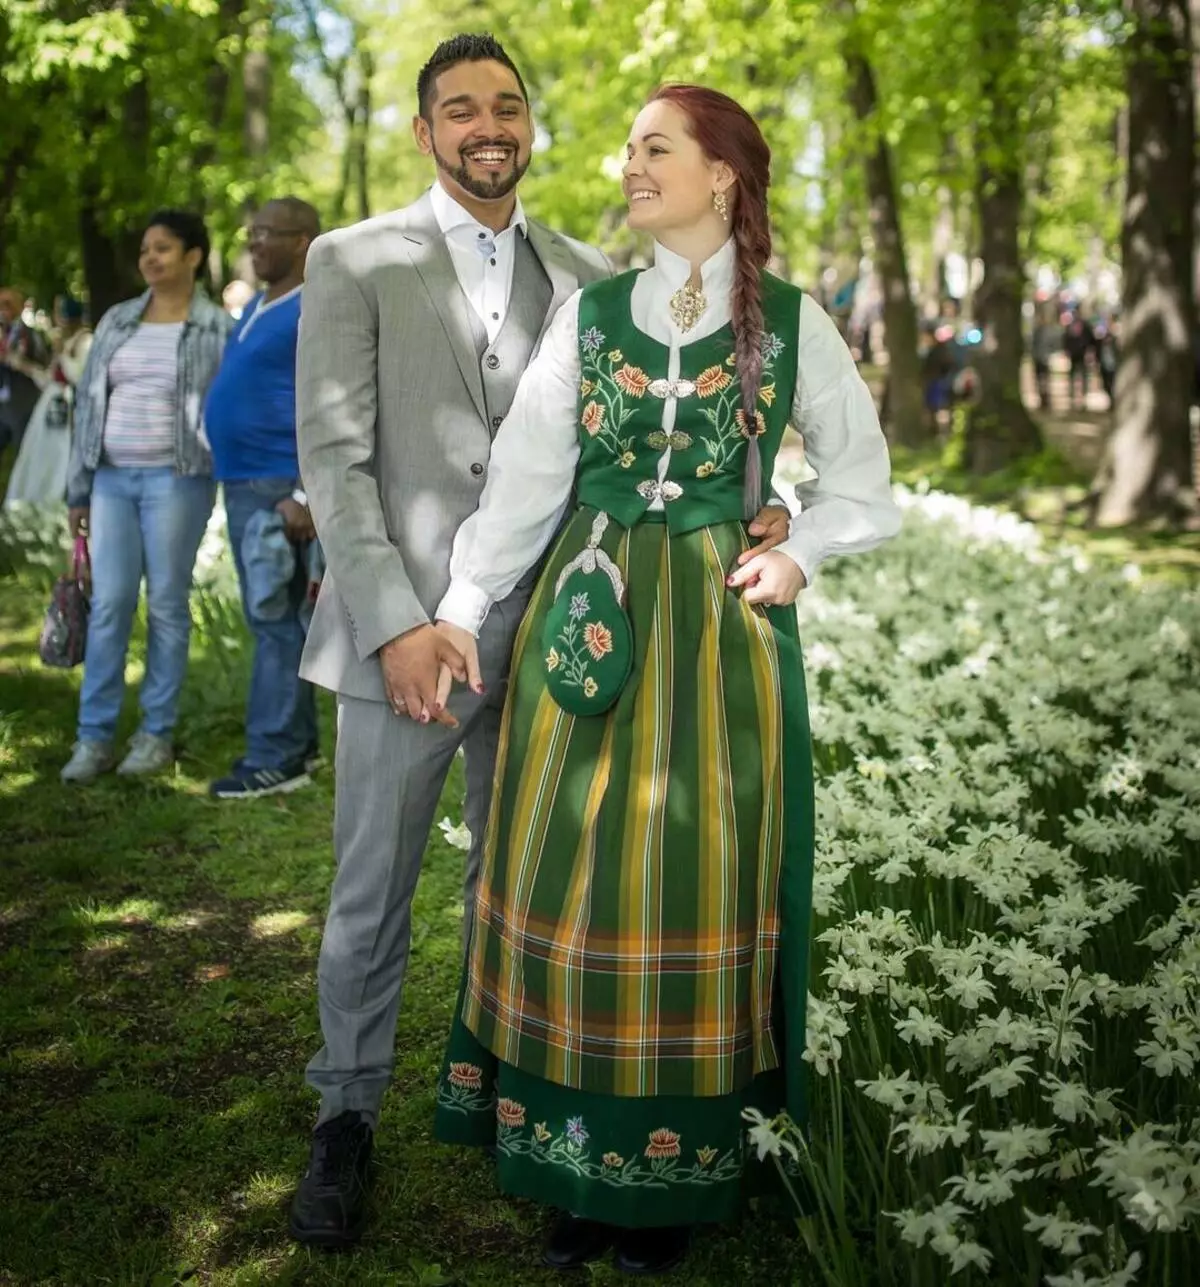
(463, 48)
(304, 217)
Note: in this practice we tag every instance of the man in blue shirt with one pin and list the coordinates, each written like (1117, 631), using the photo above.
(250, 419)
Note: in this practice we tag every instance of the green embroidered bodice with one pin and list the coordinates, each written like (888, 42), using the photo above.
(623, 387)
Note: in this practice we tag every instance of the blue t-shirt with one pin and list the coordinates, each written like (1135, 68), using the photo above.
(250, 413)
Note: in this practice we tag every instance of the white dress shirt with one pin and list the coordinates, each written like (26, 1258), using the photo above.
(845, 509)
(482, 259)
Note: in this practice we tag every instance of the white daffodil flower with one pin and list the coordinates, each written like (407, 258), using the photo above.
(1059, 1231)
(458, 836)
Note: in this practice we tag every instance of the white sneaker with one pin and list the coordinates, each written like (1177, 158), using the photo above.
(147, 754)
(88, 760)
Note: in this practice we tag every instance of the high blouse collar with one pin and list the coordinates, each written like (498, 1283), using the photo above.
(716, 273)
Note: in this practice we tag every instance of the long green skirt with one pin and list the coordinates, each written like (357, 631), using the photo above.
(637, 974)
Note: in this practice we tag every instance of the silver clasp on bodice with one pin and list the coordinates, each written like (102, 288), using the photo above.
(671, 388)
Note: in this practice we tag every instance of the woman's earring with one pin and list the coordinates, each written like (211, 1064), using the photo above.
(721, 205)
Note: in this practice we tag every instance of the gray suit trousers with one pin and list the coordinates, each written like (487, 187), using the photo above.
(390, 775)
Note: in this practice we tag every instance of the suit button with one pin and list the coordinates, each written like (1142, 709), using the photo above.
(477, 469)
(492, 360)
(497, 421)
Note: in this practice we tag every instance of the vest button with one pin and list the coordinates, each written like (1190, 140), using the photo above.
(492, 361)
(477, 469)
(497, 421)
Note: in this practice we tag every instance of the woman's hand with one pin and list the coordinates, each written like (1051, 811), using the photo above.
(769, 578)
(77, 520)
(464, 643)
(773, 523)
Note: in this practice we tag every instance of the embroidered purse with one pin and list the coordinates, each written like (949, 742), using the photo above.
(587, 640)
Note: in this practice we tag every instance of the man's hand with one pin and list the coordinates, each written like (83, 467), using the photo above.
(297, 520)
(463, 642)
(77, 520)
(773, 523)
(411, 664)
(769, 578)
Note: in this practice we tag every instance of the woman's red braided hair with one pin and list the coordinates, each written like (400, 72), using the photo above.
(726, 132)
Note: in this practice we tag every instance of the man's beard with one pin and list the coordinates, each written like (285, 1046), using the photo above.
(487, 189)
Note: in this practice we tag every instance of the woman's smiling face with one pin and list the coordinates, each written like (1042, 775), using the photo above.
(668, 181)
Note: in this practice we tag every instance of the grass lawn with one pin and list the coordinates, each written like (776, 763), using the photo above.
(157, 966)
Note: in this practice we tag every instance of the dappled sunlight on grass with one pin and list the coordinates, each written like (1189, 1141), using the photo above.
(131, 911)
(273, 924)
(104, 943)
(41, 1060)
(267, 1190)
(191, 920)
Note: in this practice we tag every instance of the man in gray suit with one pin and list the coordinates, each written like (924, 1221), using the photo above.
(415, 331)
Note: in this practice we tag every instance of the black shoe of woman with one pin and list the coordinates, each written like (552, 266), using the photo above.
(573, 1242)
(645, 1252)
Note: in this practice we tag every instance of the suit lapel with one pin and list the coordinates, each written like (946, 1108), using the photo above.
(556, 260)
(431, 259)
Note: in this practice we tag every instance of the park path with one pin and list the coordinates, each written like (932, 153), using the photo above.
(1079, 433)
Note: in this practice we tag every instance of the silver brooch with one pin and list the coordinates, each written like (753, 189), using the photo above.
(671, 388)
(593, 559)
(653, 490)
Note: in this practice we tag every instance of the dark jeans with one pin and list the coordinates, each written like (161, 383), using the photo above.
(1079, 379)
(1041, 371)
(281, 710)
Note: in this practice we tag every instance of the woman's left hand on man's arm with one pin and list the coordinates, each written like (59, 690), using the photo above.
(771, 578)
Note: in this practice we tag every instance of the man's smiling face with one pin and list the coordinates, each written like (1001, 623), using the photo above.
(479, 131)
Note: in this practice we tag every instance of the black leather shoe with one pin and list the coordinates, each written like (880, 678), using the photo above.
(652, 1251)
(329, 1208)
(573, 1242)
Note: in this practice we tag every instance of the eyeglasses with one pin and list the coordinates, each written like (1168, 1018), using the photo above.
(260, 232)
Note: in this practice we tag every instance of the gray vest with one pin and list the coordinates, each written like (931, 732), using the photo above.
(502, 363)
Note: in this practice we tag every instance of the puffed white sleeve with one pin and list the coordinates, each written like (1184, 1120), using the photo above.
(530, 476)
(847, 507)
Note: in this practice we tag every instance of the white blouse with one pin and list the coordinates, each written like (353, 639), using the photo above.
(845, 509)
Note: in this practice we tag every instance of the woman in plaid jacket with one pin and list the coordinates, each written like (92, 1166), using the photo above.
(140, 486)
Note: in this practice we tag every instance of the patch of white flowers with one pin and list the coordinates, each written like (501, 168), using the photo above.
(1005, 1016)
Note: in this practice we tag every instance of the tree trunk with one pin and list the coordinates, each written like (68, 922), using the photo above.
(216, 93)
(109, 262)
(256, 128)
(256, 97)
(1000, 429)
(907, 423)
(109, 253)
(941, 244)
(1147, 469)
(362, 125)
(10, 176)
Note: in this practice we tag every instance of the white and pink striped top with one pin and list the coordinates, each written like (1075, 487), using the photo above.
(139, 427)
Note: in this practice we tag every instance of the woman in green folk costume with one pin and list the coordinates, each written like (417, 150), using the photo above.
(637, 969)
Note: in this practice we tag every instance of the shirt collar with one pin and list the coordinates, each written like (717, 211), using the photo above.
(451, 216)
(261, 301)
(716, 273)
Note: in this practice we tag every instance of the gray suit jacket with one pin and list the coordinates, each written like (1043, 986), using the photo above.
(392, 425)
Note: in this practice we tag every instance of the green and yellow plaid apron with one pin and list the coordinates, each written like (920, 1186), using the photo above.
(637, 968)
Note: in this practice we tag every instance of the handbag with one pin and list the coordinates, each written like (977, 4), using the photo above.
(587, 639)
(64, 631)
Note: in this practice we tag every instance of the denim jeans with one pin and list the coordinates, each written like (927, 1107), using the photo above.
(151, 522)
(281, 710)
